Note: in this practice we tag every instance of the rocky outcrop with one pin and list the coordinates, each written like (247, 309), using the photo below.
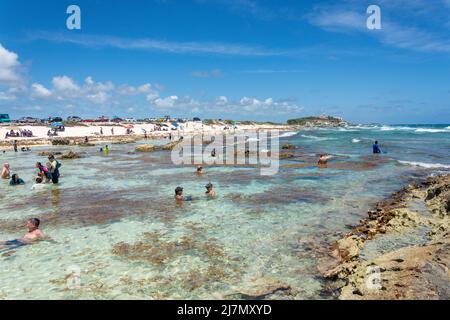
(47, 153)
(259, 288)
(71, 155)
(412, 272)
(288, 146)
(145, 148)
(60, 142)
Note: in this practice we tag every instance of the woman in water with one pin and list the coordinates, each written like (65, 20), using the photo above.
(6, 172)
(43, 171)
(15, 180)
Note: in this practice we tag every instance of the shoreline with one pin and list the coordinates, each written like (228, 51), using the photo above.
(77, 134)
(417, 271)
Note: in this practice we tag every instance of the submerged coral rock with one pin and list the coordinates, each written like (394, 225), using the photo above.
(288, 146)
(170, 146)
(348, 248)
(71, 155)
(145, 148)
(60, 142)
(47, 153)
(260, 287)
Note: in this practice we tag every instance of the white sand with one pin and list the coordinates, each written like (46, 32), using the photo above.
(40, 132)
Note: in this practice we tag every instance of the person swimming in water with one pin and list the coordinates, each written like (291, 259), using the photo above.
(39, 183)
(6, 171)
(179, 195)
(15, 180)
(33, 234)
(200, 170)
(209, 191)
(376, 148)
(323, 160)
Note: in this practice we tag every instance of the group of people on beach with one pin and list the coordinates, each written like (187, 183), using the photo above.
(21, 133)
(44, 174)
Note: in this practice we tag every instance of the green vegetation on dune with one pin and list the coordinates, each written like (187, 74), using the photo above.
(320, 120)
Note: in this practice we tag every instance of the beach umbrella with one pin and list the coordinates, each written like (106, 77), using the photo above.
(175, 124)
(57, 124)
(128, 126)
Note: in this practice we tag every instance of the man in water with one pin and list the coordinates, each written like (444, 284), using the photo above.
(376, 148)
(179, 195)
(200, 170)
(54, 168)
(15, 145)
(15, 180)
(322, 161)
(209, 191)
(33, 234)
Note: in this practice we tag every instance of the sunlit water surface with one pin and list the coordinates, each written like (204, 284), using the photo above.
(114, 219)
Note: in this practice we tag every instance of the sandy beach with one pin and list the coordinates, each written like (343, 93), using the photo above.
(92, 131)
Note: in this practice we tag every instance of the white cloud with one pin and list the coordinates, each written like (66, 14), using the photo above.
(91, 86)
(64, 83)
(221, 101)
(98, 98)
(9, 64)
(39, 91)
(166, 102)
(7, 96)
(193, 47)
(152, 96)
(130, 90)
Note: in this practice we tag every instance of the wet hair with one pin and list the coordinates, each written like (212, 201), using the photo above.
(15, 176)
(35, 222)
(376, 142)
(178, 189)
(38, 180)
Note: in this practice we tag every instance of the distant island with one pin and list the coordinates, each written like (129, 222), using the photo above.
(318, 121)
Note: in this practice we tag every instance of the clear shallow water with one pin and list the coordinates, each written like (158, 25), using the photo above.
(114, 217)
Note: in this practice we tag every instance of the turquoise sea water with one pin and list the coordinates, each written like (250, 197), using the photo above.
(113, 217)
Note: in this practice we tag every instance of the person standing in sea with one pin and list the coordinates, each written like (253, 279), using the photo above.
(54, 168)
(15, 145)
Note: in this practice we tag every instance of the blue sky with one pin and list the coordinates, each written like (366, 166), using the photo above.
(229, 59)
